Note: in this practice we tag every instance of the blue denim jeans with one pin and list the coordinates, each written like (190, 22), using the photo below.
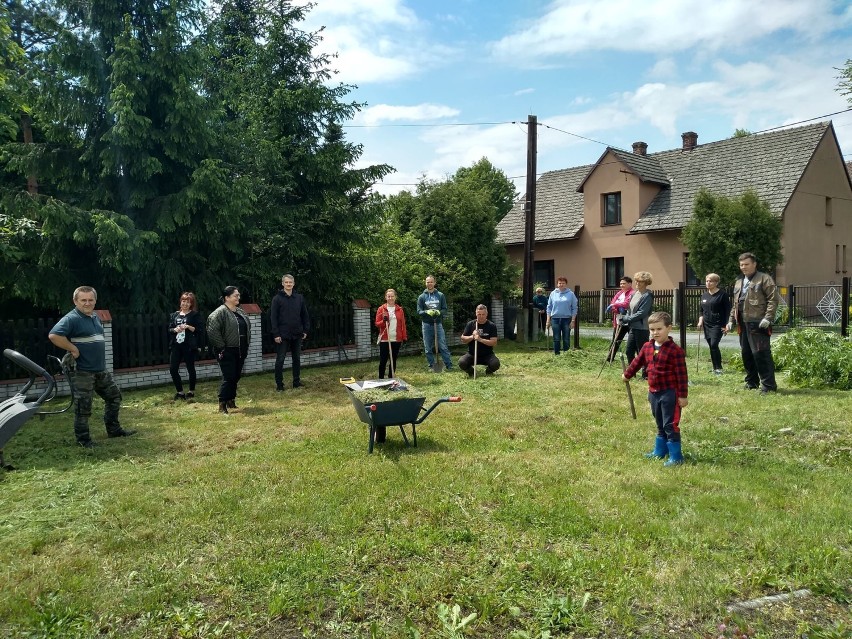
(429, 344)
(561, 332)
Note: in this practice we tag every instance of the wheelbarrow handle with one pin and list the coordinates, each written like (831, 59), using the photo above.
(454, 398)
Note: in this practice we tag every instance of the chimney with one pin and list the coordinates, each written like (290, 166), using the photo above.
(690, 140)
(640, 148)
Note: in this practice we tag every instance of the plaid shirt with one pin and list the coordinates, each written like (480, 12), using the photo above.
(666, 367)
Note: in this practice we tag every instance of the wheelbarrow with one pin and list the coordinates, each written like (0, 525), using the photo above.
(17, 410)
(398, 412)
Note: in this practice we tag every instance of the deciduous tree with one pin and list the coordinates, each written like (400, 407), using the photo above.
(723, 228)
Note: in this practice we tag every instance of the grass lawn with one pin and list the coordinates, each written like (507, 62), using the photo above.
(529, 505)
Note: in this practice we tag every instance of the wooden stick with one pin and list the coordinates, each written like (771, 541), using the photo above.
(629, 392)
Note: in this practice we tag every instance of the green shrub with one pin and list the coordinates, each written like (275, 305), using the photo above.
(815, 358)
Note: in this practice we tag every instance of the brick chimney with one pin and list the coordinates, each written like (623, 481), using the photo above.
(690, 140)
(640, 148)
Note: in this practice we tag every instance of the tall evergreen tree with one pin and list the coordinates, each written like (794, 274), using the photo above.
(310, 201)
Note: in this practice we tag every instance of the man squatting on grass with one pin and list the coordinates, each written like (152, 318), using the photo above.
(480, 335)
(667, 386)
(81, 333)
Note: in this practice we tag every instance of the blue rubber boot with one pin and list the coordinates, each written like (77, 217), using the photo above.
(675, 456)
(660, 451)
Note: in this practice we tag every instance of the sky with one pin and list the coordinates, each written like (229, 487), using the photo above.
(447, 82)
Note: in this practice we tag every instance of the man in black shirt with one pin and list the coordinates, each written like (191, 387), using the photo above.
(480, 335)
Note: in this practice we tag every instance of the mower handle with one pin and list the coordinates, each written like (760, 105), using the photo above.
(33, 369)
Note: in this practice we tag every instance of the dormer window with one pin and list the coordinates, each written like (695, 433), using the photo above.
(611, 209)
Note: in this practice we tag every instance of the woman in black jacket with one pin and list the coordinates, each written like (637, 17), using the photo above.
(715, 308)
(183, 342)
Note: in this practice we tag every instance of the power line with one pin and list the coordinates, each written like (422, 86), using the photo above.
(383, 126)
(577, 135)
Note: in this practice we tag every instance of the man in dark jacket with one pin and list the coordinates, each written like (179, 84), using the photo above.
(290, 325)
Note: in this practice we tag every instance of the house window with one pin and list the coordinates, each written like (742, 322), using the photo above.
(690, 277)
(612, 208)
(613, 271)
(543, 272)
(829, 214)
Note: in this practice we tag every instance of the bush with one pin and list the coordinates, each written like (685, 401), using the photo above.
(814, 358)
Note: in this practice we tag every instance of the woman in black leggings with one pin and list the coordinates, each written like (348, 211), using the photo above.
(715, 309)
(184, 323)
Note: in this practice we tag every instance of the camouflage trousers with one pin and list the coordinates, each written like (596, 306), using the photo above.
(85, 385)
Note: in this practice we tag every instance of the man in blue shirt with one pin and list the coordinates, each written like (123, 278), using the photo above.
(431, 306)
(81, 333)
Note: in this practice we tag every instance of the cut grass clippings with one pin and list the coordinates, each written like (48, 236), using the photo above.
(529, 504)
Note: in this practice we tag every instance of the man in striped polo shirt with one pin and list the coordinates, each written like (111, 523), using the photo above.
(81, 333)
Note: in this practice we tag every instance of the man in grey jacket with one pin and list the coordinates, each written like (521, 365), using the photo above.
(752, 312)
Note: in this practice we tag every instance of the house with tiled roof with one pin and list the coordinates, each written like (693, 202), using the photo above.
(625, 212)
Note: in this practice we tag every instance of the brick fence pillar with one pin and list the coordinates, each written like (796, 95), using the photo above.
(106, 320)
(497, 315)
(362, 326)
(254, 360)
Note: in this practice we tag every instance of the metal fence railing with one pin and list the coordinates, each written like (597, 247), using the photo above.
(28, 337)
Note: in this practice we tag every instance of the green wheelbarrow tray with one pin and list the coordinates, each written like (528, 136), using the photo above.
(379, 415)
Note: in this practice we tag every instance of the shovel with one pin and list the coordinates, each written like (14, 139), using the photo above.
(475, 356)
(438, 366)
(390, 350)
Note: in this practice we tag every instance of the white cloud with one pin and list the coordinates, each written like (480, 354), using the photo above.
(658, 26)
(381, 113)
(374, 41)
(370, 11)
(524, 91)
(663, 69)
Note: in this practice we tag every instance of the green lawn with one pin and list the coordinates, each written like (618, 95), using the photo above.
(529, 504)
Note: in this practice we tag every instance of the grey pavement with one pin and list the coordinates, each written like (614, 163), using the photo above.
(732, 340)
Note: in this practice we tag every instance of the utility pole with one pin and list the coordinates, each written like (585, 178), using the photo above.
(529, 227)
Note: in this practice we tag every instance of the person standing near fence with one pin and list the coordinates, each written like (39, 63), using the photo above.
(715, 309)
(81, 333)
(562, 309)
(229, 332)
(184, 325)
(290, 323)
(636, 318)
(753, 311)
(431, 307)
(390, 320)
(539, 302)
(618, 306)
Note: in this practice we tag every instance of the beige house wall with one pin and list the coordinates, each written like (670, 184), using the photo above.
(813, 249)
(810, 246)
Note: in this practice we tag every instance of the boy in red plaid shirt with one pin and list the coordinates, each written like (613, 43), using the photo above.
(667, 386)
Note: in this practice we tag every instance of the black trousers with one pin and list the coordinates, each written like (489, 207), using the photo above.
(466, 363)
(757, 356)
(182, 354)
(231, 362)
(713, 336)
(295, 348)
(385, 354)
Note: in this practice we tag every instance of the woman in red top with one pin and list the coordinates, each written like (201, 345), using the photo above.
(619, 305)
(390, 320)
